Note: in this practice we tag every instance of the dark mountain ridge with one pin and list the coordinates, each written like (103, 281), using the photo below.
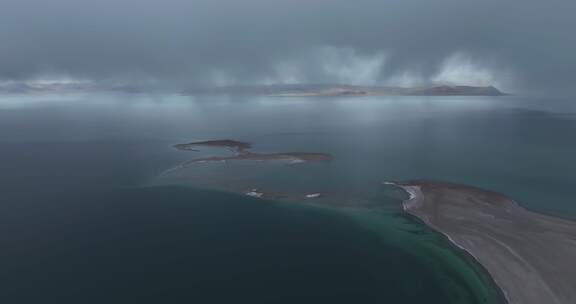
(295, 90)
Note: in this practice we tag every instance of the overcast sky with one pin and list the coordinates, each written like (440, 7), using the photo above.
(527, 45)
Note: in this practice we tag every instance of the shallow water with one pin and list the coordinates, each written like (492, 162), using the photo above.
(88, 216)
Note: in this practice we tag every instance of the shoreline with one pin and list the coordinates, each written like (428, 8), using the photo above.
(415, 193)
(511, 243)
(468, 279)
(508, 245)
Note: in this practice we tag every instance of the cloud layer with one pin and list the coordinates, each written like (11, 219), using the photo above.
(526, 45)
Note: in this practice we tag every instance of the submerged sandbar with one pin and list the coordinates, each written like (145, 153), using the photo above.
(529, 255)
(242, 152)
(234, 145)
(291, 157)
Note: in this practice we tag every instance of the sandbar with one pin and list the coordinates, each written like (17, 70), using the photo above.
(530, 256)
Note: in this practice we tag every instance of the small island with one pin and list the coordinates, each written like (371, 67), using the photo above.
(529, 255)
(234, 145)
(242, 151)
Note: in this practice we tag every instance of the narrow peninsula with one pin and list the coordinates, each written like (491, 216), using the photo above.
(529, 255)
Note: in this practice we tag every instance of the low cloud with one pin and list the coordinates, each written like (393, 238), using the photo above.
(320, 65)
(346, 65)
(328, 65)
(460, 68)
(519, 44)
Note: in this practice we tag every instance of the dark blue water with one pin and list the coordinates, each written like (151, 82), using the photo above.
(75, 231)
(85, 217)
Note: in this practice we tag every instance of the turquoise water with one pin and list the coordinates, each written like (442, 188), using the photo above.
(87, 210)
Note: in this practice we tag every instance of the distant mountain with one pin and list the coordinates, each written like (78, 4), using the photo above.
(300, 90)
(283, 90)
(61, 87)
(446, 90)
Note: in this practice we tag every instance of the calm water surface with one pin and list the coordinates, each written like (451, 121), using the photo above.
(88, 217)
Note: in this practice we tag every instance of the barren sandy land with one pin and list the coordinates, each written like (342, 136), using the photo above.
(530, 256)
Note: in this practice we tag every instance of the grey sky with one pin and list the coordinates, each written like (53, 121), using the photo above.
(524, 44)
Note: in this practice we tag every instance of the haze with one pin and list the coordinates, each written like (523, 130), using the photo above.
(520, 46)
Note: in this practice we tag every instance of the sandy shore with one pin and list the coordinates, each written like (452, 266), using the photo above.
(530, 256)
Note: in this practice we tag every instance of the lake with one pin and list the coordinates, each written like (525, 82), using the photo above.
(89, 214)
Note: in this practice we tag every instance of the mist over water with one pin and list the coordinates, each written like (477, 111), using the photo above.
(520, 46)
(88, 210)
(97, 206)
(333, 65)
